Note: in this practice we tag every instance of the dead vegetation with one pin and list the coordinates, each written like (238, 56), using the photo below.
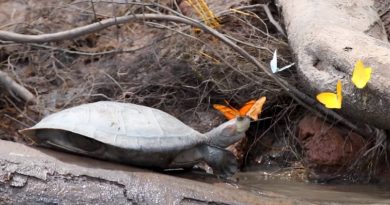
(161, 64)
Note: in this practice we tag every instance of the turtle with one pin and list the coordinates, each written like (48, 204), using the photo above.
(138, 135)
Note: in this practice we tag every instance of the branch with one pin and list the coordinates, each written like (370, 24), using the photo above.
(272, 20)
(14, 88)
(91, 28)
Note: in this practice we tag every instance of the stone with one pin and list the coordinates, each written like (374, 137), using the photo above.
(327, 147)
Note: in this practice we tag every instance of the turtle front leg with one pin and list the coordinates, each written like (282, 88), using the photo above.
(223, 162)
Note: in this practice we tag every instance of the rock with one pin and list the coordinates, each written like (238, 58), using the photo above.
(328, 148)
(327, 38)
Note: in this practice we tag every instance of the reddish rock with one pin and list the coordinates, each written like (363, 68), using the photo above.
(326, 146)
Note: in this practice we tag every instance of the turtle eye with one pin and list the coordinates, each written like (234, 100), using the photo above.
(229, 130)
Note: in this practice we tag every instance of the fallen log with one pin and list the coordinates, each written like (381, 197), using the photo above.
(40, 176)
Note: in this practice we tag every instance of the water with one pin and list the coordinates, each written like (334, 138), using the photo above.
(318, 193)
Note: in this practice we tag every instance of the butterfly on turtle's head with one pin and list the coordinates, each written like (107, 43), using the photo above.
(251, 109)
(230, 112)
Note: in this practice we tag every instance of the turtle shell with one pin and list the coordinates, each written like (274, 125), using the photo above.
(123, 125)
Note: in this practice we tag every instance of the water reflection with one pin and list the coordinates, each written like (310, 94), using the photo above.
(322, 193)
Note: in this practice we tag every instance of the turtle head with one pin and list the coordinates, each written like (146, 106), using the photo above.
(228, 132)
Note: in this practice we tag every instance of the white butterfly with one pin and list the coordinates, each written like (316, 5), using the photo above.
(274, 64)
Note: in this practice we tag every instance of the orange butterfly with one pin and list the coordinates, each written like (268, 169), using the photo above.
(251, 109)
(256, 109)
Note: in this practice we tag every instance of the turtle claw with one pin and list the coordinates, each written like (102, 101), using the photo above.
(225, 173)
(223, 162)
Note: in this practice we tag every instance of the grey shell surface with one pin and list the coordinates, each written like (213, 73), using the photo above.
(123, 125)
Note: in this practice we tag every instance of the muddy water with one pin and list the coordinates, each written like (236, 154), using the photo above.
(318, 193)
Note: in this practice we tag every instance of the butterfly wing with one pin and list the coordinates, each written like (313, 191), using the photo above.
(256, 109)
(228, 112)
(361, 75)
(274, 63)
(285, 67)
(330, 100)
(339, 92)
(248, 105)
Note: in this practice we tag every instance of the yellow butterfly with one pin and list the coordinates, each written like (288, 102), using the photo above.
(361, 74)
(332, 100)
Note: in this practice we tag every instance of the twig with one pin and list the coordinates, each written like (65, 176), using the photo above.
(93, 10)
(16, 120)
(266, 33)
(19, 110)
(297, 95)
(14, 88)
(115, 51)
(272, 20)
(267, 12)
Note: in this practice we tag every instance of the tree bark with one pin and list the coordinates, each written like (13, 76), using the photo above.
(40, 176)
(327, 38)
